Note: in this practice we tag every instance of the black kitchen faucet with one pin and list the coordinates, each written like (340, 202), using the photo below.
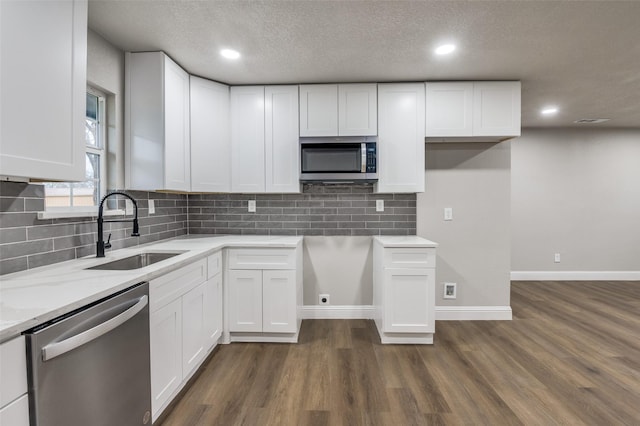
(100, 244)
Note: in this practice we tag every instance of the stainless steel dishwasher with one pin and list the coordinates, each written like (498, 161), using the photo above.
(91, 366)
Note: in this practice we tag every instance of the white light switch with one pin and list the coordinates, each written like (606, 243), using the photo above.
(128, 207)
(152, 207)
(448, 213)
(252, 206)
(379, 205)
(556, 258)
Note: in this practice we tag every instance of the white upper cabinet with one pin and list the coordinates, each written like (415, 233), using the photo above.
(247, 139)
(282, 162)
(338, 110)
(157, 153)
(319, 110)
(401, 137)
(357, 110)
(449, 109)
(496, 108)
(210, 140)
(43, 89)
(264, 139)
(472, 111)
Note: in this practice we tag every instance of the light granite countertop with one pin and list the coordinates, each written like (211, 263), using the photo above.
(32, 297)
(404, 241)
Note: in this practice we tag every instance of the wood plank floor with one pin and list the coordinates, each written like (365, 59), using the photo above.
(571, 356)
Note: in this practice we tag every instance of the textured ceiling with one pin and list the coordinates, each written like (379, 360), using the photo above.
(582, 56)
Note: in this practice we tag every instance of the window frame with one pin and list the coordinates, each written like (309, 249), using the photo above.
(102, 152)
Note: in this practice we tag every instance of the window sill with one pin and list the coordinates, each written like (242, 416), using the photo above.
(72, 214)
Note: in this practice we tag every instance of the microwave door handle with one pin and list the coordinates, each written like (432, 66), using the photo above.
(363, 161)
(56, 349)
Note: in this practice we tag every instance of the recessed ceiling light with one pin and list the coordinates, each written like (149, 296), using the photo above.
(549, 111)
(230, 53)
(445, 49)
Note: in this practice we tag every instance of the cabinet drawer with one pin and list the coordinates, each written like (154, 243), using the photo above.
(16, 413)
(410, 257)
(168, 287)
(13, 370)
(214, 264)
(277, 258)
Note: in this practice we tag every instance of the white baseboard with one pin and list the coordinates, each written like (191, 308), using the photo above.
(337, 312)
(443, 313)
(575, 275)
(473, 313)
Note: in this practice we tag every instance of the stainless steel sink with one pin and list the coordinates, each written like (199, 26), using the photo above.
(137, 261)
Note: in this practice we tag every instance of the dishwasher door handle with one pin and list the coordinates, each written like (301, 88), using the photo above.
(56, 349)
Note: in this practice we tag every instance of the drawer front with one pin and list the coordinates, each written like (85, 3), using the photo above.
(13, 370)
(168, 287)
(214, 265)
(410, 257)
(276, 258)
(16, 413)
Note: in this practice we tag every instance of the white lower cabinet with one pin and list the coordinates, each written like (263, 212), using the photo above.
(14, 402)
(404, 293)
(264, 294)
(185, 325)
(166, 354)
(245, 300)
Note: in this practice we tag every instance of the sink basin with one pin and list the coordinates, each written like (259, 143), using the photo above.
(136, 262)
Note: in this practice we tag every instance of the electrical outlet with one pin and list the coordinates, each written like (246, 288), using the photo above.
(323, 299)
(152, 207)
(450, 290)
(252, 206)
(379, 205)
(556, 258)
(128, 207)
(448, 213)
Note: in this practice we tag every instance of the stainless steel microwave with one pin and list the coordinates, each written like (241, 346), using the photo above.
(343, 159)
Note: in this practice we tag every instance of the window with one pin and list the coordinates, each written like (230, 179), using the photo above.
(76, 197)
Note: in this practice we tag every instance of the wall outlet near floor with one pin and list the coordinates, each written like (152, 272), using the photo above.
(379, 205)
(323, 299)
(152, 207)
(556, 258)
(448, 213)
(252, 206)
(450, 290)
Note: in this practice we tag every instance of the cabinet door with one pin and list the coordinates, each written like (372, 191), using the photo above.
(166, 353)
(43, 89)
(245, 300)
(319, 110)
(247, 139)
(357, 110)
(279, 310)
(496, 108)
(449, 109)
(401, 138)
(177, 156)
(210, 142)
(212, 311)
(409, 300)
(193, 329)
(281, 139)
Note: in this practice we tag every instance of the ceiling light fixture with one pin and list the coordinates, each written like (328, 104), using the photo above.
(445, 49)
(549, 111)
(230, 53)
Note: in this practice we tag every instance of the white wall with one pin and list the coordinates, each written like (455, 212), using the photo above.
(105, 71)
(577, 193)
(339, 266)
(474, 250)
